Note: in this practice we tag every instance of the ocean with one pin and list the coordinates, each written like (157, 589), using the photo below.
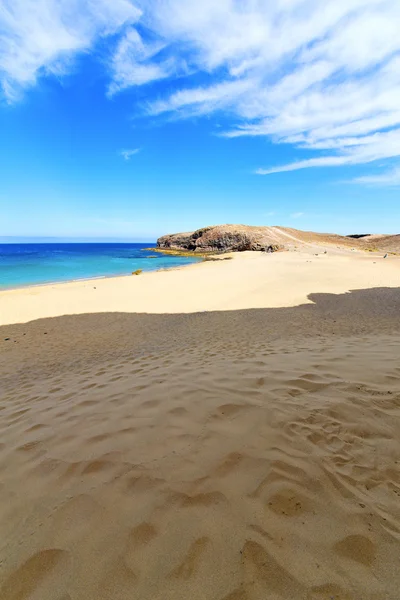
(35, 264)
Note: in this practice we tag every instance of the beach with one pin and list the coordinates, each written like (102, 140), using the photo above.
(223, 431)
(236, 281)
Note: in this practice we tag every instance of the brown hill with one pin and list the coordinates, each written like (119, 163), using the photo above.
(389, 243)
(237, 238)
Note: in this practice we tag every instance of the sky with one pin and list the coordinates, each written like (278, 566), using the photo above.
(128, 119)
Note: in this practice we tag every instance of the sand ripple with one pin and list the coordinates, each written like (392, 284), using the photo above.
(162, 476)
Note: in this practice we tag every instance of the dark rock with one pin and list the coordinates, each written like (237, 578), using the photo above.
(357, 236)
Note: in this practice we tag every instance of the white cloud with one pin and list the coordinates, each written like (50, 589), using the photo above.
(203, 100)
(352, 151)
(389, 178)
(326, 161)
(132, 63)
(42, 36)
(296, 215)
(323, 76)
(127, 154)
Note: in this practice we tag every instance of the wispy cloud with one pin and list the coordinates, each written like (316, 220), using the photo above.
(127, 154)
(296, 215)
(39, 37)
(323, 77)
(349, 151)
(388, 178)
(134, 63)
(203, 100)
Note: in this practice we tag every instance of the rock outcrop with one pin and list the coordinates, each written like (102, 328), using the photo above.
(222, 238)
(237, 238)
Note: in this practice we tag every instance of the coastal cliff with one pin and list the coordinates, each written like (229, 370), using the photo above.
(222, 238)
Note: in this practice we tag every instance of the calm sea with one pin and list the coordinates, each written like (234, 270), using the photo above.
(33, 264)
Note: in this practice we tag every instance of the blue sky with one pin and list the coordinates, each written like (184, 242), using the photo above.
(126, 120)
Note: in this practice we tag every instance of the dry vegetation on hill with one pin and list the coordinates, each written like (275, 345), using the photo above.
(237, 238)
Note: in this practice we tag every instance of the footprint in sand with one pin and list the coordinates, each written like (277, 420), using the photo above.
(141, 535)
(265, 572)
(288, 502)
(192, 560)
(41, 574)
(229, 464)
(358, 548)
(118, 583)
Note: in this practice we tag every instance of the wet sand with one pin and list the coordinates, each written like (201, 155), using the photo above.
(231, 455)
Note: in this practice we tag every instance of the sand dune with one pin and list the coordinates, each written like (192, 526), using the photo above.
(238, 455)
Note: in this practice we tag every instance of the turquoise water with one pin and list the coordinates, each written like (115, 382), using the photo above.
(34, 264)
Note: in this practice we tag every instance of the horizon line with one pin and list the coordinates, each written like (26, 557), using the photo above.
(31, 239)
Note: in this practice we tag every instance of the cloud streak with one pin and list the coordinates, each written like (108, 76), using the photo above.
(127, 154)
(41, 37)
(388, 178)
(322, 77)
(134, 63)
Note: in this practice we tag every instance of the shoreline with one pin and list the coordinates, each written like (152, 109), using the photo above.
(249, 280)
(94, 278)
(202, 258)
(51, 284)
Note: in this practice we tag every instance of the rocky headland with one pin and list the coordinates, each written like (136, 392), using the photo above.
(239, 238)
(222, 238)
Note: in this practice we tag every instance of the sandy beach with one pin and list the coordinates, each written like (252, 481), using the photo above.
(200, 300)
(225, 431)
(245, 280)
